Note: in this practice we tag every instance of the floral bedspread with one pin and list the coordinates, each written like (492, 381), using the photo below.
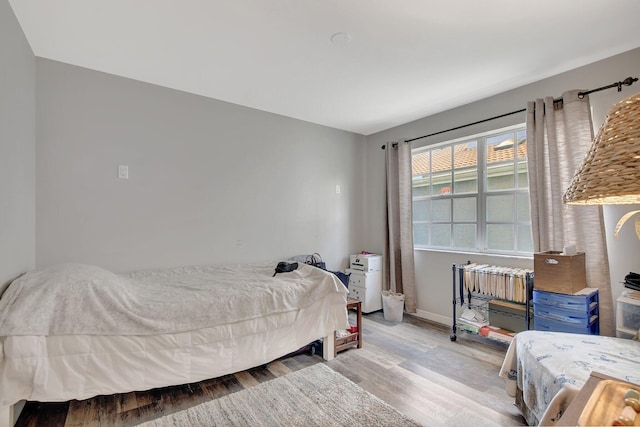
(541, 363)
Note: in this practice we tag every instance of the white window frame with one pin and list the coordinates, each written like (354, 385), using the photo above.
(481, 196)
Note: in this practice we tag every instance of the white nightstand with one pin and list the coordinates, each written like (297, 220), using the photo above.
(366, 287)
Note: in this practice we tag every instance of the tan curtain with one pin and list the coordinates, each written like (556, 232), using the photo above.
(399, 273)
(559, 135)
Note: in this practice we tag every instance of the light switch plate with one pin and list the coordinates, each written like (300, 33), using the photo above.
(123, 172)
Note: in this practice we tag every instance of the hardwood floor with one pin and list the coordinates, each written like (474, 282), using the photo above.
(412, 365)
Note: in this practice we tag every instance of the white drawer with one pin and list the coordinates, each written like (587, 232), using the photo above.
(371, 300)
(356, 280)
(356, 292)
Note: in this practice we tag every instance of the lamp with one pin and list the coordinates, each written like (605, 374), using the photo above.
(610, 173)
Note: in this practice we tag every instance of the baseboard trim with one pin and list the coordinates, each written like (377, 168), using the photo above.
(438, 318)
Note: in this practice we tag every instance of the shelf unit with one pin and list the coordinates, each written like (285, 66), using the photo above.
(459, 294)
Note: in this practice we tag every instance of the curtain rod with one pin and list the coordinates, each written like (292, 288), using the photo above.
(626, 82)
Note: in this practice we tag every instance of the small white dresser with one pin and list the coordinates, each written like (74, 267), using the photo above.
(365, 281)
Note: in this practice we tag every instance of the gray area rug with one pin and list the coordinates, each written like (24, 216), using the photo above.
(313, 396)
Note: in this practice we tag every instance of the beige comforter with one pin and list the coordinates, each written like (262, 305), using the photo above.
(72, 299)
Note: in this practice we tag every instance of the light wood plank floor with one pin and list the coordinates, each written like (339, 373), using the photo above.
(412, 365)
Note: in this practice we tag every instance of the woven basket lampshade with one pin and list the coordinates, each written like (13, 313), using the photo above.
(610, 174)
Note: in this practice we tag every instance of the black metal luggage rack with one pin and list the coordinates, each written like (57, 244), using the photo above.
(458, 287)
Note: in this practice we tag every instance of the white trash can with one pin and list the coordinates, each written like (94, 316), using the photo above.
(392, 306)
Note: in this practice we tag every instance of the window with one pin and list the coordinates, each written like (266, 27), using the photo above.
(472, 194)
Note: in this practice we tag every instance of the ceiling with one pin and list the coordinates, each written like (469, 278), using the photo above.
(406, 59)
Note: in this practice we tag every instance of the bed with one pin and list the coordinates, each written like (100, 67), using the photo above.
(75, 331)
(545, 370)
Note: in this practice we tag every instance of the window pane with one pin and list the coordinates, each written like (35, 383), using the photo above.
(421, 210)
(465, 181)
(465, 155)
(421, 186)
(442, 183)
(500, 148)
(441, 235)
(420, 234)
(449, 183)
(420, 173)
(521, 138)
(421, 163)
(523, 175)
(464, 210)
(441, 170)
(523, 214)
(500, 237)
(441, 158)
(525, 243)
(500, 177)
(464, 236)
(500, 208)
(441, 210)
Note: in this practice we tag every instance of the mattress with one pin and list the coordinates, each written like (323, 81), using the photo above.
(541, 364)
(60, 367)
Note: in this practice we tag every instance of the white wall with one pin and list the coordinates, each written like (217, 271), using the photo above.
(433, 269)
(17, 148)
(216, 182)
(209, 181)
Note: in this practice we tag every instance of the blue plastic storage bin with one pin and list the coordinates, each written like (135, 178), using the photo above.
(567, 313)
(544, 324)
(562, 315)
(566, 301)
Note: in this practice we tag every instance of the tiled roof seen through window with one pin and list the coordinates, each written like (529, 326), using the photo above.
(465, 155)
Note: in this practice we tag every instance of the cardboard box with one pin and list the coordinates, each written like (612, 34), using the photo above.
(508, 315)
(563, 274)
